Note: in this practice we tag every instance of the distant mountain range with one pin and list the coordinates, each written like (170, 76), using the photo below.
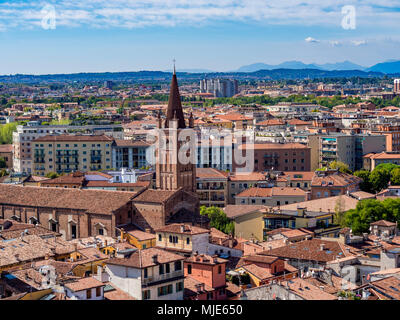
(388, 67)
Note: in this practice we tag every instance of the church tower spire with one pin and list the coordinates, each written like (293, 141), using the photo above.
(175, 111)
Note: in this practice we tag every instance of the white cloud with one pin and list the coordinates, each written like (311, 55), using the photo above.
(311, 40)
(358, 43)
(141, 13)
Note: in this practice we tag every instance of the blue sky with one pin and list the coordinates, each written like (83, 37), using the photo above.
(222, 35)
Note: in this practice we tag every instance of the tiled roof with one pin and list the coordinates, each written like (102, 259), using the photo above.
(383, 223)
(337, 179)
(68, 138)
(154, 196)
(6, 148)
(94, 201)
(84, 284)
(323, 205)
(211, 173)
(309, 250)
(270, 192)
(182, 229)
(142, 236)
(144, 258)
(131, 143)
(233, 211)
(254, 176)
(206, 259)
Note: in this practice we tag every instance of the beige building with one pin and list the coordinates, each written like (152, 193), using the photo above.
(69, 153)
(212, 187)
(248, 220)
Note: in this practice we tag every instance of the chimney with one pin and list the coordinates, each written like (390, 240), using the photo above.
(122, 234)
(182, 228)
(75, 247)
(105, 243)
(322, 246)
(155, 259)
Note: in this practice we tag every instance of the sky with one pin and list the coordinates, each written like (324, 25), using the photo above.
(69, 36)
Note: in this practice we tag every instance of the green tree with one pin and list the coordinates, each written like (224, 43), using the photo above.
(6, 132)
(365, 185)
(395, 176)
(379, 179)
(52, 175)
(218, 219)
(372, 210)
(3, 163)
(341, 166)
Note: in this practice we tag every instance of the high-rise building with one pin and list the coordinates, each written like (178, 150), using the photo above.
(221, 88)
(396, 88)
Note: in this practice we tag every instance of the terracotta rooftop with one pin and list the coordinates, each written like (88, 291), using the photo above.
(84, 284)
(233, 211)
(182, 229)
(323, 205)
(337, 179)
(211, 173)
(383, 223)
(310, 250)
(6, 148)
(154, 196)
(71, 138)
(94, 201)
(270, 192)
(144, 258)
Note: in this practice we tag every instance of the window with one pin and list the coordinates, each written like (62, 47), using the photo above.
(98, 291)
(178, 265)
(145, 273)
(159, 237)
(167, 270)
(146, 295)
(161, 269)
(170, 239)
(89, 294)
(179, 286)
(219, 269)
(189, 269)
(187, 240)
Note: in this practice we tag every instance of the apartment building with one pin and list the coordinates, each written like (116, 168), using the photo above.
(274, 196)
(348, 149)
(149, 274)
(131, 154)
(24, 135)
(212, 187)
(214, 154)
(372, 160)
(278, 157)
(331, 183)
(205, 277)
(69, 153)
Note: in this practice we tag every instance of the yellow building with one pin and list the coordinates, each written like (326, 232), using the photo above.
(248, 220)
(69, 153)
(139, 239)
(181, 238)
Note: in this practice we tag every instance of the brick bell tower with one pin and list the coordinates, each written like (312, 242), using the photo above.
(170, 173)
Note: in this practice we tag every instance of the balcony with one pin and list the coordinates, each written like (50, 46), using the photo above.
(166, 277)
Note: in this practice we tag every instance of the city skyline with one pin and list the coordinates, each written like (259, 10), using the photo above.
(97, 36)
